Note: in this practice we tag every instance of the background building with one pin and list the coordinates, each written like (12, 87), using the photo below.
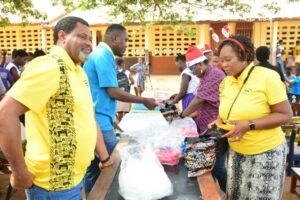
(162, 42)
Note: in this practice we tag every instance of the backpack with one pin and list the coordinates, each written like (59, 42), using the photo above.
(123, 81)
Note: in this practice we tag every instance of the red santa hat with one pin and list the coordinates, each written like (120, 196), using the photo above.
(194, 56)
(206, 49)
(214, 36)
(225, 31)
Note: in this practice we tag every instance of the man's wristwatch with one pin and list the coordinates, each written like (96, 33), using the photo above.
(251, 125)
(105, 160)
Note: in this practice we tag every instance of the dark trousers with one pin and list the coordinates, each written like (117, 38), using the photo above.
(219, 172)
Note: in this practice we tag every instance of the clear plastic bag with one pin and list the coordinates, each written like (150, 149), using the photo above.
(167, 141)
(142, 177)
(167, 145)
(168, 155)
(187, 126)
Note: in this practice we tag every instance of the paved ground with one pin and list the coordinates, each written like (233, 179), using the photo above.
(160, 85)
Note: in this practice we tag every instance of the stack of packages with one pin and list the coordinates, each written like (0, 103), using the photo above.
(167, 141)
(142, 175)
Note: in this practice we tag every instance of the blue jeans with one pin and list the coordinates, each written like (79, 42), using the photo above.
(219, 172)
(93, 170)
(38, 193)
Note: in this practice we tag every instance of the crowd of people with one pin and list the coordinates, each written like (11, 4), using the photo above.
(63, 89)
(229, 102)
(10, 71)
(71, 110)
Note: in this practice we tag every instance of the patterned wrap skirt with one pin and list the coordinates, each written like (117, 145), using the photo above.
(259, 176)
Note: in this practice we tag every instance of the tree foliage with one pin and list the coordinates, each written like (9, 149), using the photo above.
(152, 11)
(167, 11)
(141, 11)
(22, 8)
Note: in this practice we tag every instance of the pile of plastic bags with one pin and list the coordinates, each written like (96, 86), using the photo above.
(142, 176)
(167, 141)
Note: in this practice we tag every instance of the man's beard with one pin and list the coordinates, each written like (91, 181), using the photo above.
(82, 56)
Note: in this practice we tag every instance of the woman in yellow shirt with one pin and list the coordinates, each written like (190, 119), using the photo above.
(254, 100)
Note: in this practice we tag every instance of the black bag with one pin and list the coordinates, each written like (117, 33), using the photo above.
(201, 153)
(123, 81)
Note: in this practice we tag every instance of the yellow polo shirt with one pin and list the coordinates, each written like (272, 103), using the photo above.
(60, 126)
(296, 51)
(262, 89)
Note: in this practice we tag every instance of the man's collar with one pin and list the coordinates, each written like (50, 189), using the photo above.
(61, 52)
(106, 46)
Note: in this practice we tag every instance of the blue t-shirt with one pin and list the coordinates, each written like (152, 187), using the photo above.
(101, 72)
(295, 89)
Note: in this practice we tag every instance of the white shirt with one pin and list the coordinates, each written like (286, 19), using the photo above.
(194, 80)
(127, 73)
(280, 49)
(11, 65)
(2, 87)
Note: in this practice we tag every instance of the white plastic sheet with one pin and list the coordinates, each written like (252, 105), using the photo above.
(142, 121)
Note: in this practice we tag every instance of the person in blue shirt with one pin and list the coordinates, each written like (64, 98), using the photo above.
(295, 88)
(102, 74)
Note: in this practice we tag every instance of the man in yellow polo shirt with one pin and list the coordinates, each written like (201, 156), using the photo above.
(60, 125)
(296, 50)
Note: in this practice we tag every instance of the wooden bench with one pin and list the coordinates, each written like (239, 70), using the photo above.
(295, 176)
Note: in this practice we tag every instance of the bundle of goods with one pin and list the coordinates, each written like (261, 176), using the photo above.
(169, 111)
(142, 176)
(168, 155)
(167, 142)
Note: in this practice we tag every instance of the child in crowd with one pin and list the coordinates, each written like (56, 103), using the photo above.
(139, 69)
(125, 80)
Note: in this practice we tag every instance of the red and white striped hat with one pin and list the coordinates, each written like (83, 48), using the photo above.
(194, 56)
(206, 49)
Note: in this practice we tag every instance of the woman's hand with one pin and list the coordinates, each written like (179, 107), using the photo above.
(217, 121)
(172, 97)
(240, 128)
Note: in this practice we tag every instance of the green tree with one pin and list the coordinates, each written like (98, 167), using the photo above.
(167, 11)
(22, 8)
(141, 11)
(153, 11)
